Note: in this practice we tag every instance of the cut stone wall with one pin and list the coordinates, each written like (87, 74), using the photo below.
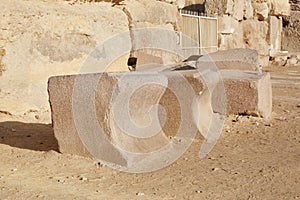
(250, 24)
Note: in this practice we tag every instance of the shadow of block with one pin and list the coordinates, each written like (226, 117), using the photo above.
(38, 137)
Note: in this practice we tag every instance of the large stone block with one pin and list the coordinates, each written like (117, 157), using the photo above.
(242, 59)
(280, 7)
(246, 93)
(227, 24)
(126, 107)
(239, 9)
(107, 115)
(261, 10)
(255, 36)
(275, 34)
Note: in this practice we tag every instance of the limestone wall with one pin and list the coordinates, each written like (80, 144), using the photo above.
(39, 39)
(42, 39)
(250, 24)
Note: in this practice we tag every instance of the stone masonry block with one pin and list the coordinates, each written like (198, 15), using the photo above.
(124, 105)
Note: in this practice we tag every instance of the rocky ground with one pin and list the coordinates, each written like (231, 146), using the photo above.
(253, 159)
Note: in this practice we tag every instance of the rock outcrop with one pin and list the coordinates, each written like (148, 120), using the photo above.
(39, 39)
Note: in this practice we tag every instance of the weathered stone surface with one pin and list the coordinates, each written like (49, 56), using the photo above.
(247, 93)
(227, 24)
(248, 9)
(251, 34)
(81, 104)
(43, 39)
(255, 36)
(261, 10)
(145, 13)
(238, 9)
(293, 59)
(72, 105)
(280, 7)
(295, 5)
(213, 7)
(232, 41)
(243, 59)
(55, 38)
(291, 39)
(275, 34)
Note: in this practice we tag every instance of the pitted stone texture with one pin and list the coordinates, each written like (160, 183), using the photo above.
(82, 103)
(243, 59)
(246, 93)
(78, 112)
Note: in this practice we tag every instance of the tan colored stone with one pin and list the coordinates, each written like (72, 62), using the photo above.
(255, 36)
(280, 7)
(248, 9)
(242, 59)
(261, 10)
(46, 40)
(238, 9)
(227, 24)
(150, 12)
(275, 34)
(229, 7)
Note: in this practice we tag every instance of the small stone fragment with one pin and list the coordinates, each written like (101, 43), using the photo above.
(140, 194)
(83, 178)
(61, 180)
(215, 169)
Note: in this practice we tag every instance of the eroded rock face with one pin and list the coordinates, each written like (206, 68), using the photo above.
(295, 5)
(291, 39)
(255, 35)
(280, 7)
(43, 39)
(261, 10)
(252, 34)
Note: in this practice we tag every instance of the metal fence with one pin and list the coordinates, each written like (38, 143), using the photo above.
(199, 33)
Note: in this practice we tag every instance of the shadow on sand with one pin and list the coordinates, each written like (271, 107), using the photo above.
(38, 137)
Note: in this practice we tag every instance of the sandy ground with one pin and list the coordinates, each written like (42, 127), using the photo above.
(253, 159)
